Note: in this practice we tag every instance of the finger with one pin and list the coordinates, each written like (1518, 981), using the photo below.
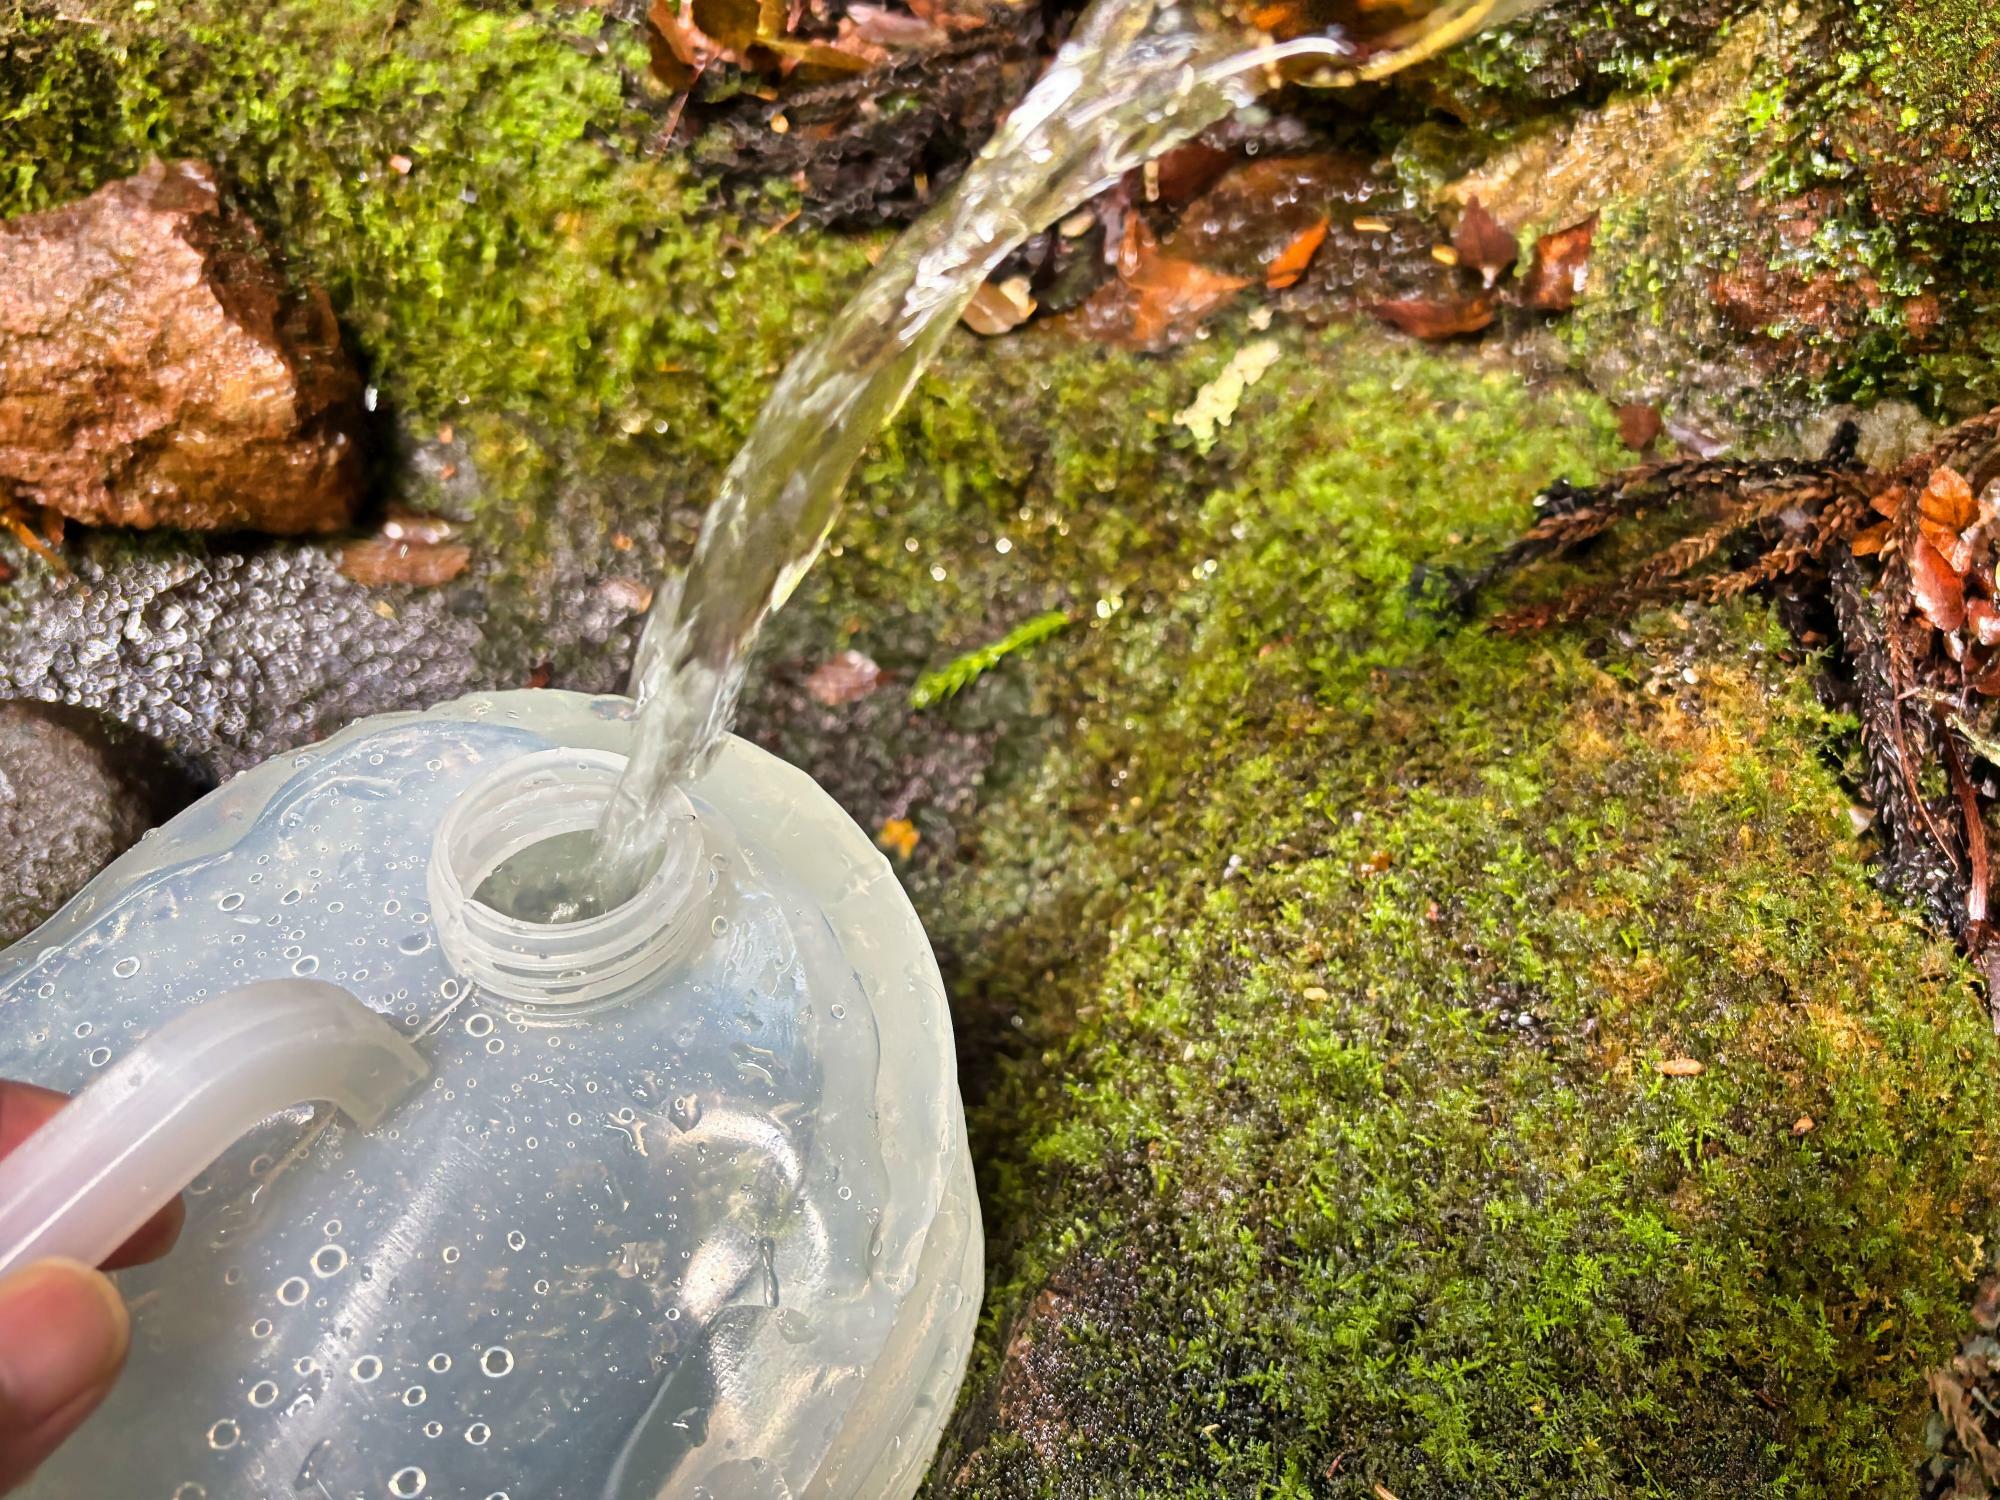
(24, 1109)
(63, 1336)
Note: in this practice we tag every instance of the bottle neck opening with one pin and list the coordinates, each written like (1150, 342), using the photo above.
(551, 801)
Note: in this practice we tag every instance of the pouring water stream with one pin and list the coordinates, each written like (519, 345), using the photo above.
(1136, 78)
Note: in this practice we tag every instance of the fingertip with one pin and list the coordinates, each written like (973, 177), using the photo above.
(64, 1331)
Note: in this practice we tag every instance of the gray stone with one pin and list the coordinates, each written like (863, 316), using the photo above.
(76, 791)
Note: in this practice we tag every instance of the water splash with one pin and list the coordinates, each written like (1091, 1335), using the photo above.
(1136, 78)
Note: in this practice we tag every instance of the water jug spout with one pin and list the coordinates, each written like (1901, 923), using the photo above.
(552, 801)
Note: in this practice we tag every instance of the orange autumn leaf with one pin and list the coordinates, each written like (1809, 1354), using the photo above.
(1947, 499)
(1169, 290)
(1946, 512)
(1868, 543)
(1152, 294)
(681, 50)
(1937, 587)
(1291, 262)
(899, 836)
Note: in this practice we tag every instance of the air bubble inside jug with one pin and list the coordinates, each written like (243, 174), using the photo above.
(675, 1200)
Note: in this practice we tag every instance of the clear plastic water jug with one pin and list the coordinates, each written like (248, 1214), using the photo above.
(669, 1201)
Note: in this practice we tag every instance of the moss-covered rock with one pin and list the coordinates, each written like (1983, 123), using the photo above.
(1315, 960)
(1348, 954)
(1798, 209)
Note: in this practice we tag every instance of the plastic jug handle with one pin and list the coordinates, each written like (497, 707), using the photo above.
(143, 1129)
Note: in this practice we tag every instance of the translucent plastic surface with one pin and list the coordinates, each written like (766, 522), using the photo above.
(162, 1114)
(709, 1235)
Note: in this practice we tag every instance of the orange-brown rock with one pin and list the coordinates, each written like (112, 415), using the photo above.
(157, 370)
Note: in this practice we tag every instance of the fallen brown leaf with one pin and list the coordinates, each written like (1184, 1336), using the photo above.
(879, 26)
(1152, 294)
(968, 15)
(681, 50)
(845, 54)
(1868, 543)
(1561, 267)
(733, 24)
(1946, 514)
(1188, 171)
(1437, 318)
(1937, 588)
(846, 678)
(378, 560)
(1982, 620)
(1484, 243)
(1639, 426)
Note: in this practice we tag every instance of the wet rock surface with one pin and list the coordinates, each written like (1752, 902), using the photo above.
(231, 657)
(76, 790)
(156, 370)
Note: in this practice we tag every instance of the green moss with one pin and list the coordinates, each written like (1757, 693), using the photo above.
(1856, 249)
(1579, 50)
(1336, 1151)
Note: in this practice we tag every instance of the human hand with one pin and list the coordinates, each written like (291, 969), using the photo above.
(63, 1327)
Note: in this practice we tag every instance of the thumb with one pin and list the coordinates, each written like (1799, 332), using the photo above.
(63, 1334)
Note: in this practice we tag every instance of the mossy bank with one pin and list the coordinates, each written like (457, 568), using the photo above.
(1315, 960)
